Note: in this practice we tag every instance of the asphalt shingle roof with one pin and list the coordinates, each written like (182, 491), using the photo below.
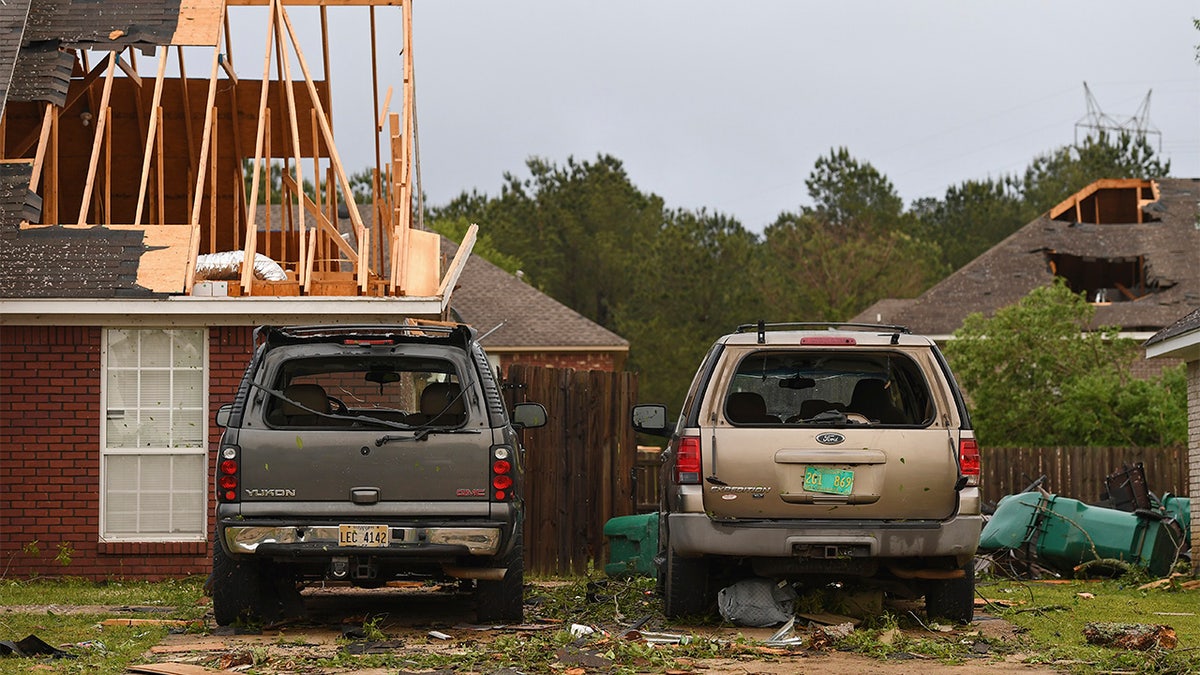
(1007, 272)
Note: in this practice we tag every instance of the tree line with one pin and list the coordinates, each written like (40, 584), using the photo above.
(671, 280)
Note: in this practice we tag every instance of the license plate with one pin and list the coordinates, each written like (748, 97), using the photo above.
(831, 481)
(364, 535)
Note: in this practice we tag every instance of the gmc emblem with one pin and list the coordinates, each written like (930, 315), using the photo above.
(470, 492)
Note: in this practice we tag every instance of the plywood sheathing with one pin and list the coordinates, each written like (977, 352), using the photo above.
(199, 23)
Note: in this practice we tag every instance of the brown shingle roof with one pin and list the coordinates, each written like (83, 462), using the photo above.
(487, 296)
(1008, 271)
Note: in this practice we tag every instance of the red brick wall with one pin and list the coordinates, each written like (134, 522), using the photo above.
(50, 420)
(606, 361)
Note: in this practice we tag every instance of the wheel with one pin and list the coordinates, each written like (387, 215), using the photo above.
(504, 600)
(250, 591)
(952, 599)
(685, 590)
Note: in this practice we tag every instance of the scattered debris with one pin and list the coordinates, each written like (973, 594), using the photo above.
(127, 623)
(1086, 596)
(175, 669)
(1139, 636)
(580, 630)
(438, 635)
(32, 645)
(374, 647)
(570, 656)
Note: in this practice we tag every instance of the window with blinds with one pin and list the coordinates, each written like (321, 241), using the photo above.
(154, 458)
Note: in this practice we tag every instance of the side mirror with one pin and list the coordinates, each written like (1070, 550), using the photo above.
(650, 419)
(223, 414)
(528, 416)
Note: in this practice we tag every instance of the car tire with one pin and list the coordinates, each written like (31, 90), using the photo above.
(236, 588)
(504, 600)
(685, 589)
(952, 599)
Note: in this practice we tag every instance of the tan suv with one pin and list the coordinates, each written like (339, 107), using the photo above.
(820, 453)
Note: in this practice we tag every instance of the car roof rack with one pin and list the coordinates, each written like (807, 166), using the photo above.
(279, 334)
(830, 325)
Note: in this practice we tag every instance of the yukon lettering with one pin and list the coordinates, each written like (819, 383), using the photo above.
(270, 492)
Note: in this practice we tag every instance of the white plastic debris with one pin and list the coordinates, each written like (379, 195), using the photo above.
(579, 630)
(438, 635)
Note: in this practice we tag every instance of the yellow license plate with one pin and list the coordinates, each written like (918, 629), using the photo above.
(364, 535)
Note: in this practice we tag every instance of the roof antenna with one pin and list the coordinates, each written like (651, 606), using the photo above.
(495, 328)
(762, 332)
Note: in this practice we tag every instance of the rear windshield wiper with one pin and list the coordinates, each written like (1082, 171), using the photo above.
(419, 434)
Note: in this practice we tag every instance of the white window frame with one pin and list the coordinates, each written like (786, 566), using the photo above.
(201, 450)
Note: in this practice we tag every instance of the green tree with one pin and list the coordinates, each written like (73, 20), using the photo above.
(1051, 178)
(971, 218)
(849, 193)
(856, 245)
(694, 284)
(574, 227)
(1037, 373)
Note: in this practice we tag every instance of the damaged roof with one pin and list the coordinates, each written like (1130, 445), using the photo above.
(1162, 253)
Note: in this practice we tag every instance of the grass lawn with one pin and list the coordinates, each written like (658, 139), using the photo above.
(1049, 620)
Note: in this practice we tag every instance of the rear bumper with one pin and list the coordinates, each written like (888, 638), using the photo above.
(322, 540)
(694, 534)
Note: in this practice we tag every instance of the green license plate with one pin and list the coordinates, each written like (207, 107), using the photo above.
(831, 481)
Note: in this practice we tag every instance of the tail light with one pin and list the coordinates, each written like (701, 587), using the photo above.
(502, 468)
(227, 474)
(968, 460)
(687, 461)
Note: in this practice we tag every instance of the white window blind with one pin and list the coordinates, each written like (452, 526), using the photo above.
(154, 456)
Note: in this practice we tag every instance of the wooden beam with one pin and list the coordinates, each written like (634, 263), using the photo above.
(334, 158)
(129, 71)
(43, 144)
(248, 249)
(457, 264)
(50, 192)
(96, 139)
(158, 165)
(314, 3)
(152, 133)
(285, 70)
(187, 125)
(322, 221)
(210, 121)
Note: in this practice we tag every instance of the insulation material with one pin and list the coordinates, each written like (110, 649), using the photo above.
(226, 266)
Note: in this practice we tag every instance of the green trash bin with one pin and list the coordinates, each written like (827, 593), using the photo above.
(632, 545)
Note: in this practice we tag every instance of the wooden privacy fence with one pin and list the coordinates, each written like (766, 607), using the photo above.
(579, 467)
(1079, 473)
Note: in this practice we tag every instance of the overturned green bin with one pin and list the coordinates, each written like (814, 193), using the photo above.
(632, 545)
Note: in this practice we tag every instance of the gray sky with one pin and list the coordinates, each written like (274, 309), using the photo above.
(727, 105)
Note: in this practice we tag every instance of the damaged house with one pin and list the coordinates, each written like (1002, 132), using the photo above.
(133, 145)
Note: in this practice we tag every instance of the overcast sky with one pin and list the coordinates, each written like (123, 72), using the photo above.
(727, 105)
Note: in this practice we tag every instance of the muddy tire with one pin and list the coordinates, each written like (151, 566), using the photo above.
(250, 591)
(952, 599)
(685, 588)
(504, 600)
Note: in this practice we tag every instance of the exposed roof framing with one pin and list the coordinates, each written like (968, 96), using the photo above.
(119, 149)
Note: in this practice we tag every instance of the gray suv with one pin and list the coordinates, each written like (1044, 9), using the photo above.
(822, 453)
(365, 454)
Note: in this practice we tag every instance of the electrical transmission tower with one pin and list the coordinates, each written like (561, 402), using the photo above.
(1096, 121)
